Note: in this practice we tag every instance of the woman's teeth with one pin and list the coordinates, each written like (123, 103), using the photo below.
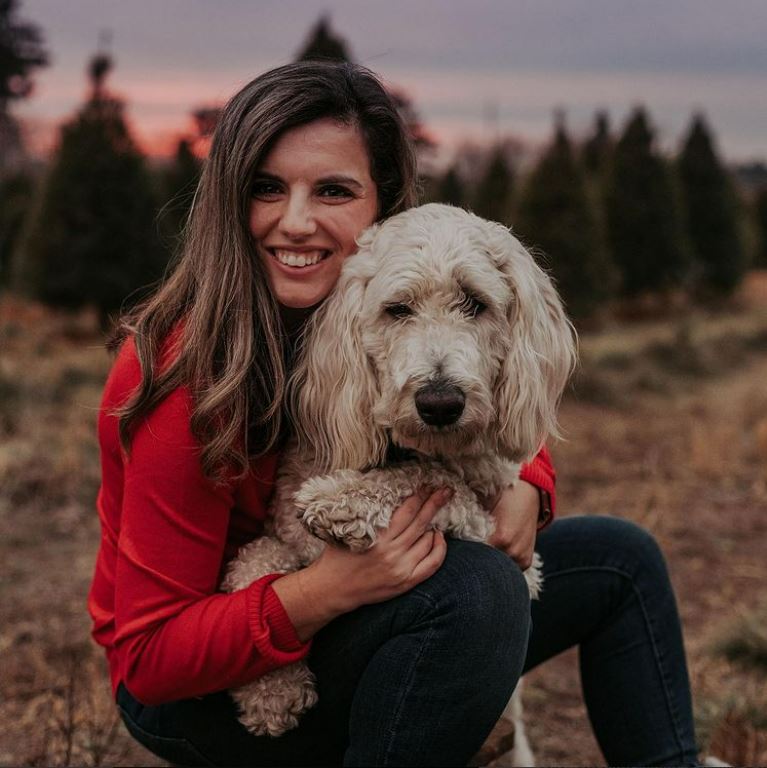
(305, 259)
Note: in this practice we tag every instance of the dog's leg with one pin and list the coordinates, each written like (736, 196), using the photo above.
(273, 703)
(520, 754)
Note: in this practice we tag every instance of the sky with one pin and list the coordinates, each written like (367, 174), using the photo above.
(475, 70)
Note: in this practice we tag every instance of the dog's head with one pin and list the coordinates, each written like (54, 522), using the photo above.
(442, 335)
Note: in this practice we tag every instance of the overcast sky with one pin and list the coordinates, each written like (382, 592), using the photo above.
(460, 61)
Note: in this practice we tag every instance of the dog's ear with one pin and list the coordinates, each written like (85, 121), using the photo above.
(334, 387)
(541, 356)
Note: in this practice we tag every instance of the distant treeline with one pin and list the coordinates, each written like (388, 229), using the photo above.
(612, 217)
(616, 220)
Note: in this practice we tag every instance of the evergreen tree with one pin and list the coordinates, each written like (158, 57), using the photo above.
(493, 195)
(556, 216)
(643, 222)
(178, 185)
(15, 198)
(323, 43)
(92, 238)
(760, 208)
(596, 149)
(711, 211)
(21, 51)
(451, 188)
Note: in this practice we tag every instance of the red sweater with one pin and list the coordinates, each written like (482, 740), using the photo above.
(167, 532)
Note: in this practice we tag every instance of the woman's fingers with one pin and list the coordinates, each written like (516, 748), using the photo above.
(422, 519)
(432, 560)
(403, 516)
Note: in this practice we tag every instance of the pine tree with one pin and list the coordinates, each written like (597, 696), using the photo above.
(760, 209)
(597, 148)
(178, 185)
(21, 52)
(556, 216)
(323, 43)
(643, 223)
(711, 213)
(493, 195)
(92, 239)
(16, 192)
(451, 188)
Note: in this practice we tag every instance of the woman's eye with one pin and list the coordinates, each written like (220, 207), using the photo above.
(265, 189)
(333, 190)
(398, 311)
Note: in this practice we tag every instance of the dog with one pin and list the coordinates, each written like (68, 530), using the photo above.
(439, 359)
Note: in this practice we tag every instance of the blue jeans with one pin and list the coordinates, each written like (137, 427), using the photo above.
(421, 679)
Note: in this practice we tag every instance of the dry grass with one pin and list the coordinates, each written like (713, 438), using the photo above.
(55, 703)
(667, 427)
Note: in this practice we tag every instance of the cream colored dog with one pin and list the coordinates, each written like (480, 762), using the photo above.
(443, 340)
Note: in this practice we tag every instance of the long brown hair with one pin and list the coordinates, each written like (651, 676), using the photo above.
(230, 348)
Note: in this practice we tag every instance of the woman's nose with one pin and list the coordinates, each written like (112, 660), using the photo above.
(297, 218)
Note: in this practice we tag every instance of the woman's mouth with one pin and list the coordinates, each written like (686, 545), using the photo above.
(298, 260)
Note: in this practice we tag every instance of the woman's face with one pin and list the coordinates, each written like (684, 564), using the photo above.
(312, 196)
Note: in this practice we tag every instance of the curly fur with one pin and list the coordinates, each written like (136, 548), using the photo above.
(482, 317)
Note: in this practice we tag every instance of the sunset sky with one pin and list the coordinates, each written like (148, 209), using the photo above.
(460, 61)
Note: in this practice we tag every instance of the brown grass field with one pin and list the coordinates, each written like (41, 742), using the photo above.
(667, 426)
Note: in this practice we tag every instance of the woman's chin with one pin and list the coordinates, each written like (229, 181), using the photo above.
(300, 299)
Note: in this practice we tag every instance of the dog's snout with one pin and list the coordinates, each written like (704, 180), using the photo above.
(440, 404)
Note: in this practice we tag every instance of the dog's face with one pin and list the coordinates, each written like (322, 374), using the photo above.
(442, 335)
(434, 328)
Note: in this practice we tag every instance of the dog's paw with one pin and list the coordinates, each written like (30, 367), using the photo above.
(356, 534)
(339, 508)
(274, 703)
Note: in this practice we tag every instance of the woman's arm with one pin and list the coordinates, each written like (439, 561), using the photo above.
(175, 635)
(524, 509)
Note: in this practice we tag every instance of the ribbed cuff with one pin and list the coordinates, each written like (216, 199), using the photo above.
(536, 475)
(273, 632)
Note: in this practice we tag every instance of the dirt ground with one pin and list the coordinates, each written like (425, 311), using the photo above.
(667, 426)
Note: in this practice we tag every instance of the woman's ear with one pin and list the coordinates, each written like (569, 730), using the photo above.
(334, 387)
(541, 357)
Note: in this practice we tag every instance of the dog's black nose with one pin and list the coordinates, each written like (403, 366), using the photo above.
(440, 404)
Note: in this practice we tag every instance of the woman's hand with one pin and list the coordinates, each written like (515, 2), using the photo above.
(405, 554)
(515, 511)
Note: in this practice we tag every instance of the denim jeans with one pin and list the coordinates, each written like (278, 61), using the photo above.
(421, 679)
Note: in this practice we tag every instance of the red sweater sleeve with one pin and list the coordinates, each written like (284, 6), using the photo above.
(175, 636)
(540, 473)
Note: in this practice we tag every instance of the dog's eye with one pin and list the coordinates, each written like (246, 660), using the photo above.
(398, 310)
(471, 306)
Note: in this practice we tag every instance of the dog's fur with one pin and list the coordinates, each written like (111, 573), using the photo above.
(434, 297)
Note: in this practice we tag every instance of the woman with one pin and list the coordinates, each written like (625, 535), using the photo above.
(416, 644)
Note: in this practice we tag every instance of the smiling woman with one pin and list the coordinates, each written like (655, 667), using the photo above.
(312, 196)
(416, 643)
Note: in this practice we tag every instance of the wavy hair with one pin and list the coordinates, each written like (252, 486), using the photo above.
(229, 346)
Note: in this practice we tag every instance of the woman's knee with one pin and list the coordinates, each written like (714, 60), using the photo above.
(636, 546)
(594, 540)
(482, 590)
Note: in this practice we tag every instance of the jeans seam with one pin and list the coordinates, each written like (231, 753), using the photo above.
(656, 651)
(405, 692)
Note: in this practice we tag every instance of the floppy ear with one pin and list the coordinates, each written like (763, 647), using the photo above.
(334, 387)
(541, 357)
